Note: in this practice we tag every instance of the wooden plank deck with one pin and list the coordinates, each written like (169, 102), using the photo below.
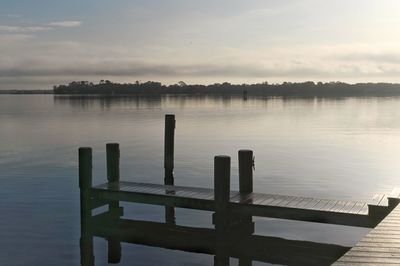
(354, 213)
(381, 246)
(236, 198)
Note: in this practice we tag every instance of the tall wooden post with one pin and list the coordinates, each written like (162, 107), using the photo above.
(246, 163)
(246, 225)
(112, 158)
(85, 184)
(169, 135)
(222, 172)
(169, 149)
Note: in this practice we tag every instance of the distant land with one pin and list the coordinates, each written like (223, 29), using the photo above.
(26, 91)
(285, 89)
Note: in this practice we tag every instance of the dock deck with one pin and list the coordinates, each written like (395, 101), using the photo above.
(206, 195)
(381, 246)
(343, 212)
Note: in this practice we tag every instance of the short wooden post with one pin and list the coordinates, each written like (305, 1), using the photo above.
(112, 154)
(85, 184)
(222, 176)
(112, 158)
(245, 171)
(169, 135)
(222, 169)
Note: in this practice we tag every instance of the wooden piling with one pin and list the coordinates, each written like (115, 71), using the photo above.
(112, 154)
(114, 250)
(87, 250)
(169, 149)
(169, 136)
(112, 159)
(222, 172)
(113, 175)
(245, 171)
(246, 163)
(85, 183)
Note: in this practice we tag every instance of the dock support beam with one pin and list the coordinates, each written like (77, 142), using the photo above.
(169, 136)
(222, 173)
(112, 157)
(85, 184)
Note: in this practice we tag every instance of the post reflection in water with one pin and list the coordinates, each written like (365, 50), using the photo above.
(235, 243)
(106, 102)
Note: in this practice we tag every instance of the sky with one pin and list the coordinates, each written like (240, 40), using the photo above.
(49, 42)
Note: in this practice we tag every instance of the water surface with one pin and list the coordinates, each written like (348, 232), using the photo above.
(328, 148)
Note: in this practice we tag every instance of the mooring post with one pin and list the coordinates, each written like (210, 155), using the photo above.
(112, 154)
(222, 172)
(169, 149)
(246, 163)
(245, 171)
(85, 184)
(112, 158)
(169, 135)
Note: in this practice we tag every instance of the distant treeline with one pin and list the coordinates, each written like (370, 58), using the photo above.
(285, 89)
(26, 92)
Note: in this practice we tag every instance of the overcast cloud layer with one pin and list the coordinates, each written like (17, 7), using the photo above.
(198, 41)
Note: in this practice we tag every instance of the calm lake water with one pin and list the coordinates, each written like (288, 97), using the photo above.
(328, 148)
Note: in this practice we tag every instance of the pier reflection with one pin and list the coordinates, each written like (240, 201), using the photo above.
(238, 243)
(108, 102)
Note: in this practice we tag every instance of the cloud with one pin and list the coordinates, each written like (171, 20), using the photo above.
(123, 68)
(10, 15)
(49, 63)
(66, 24)
(13, 38)
(22, 29)
(47, 27)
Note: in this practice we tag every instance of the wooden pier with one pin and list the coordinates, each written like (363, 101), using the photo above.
(233, 212)
(381, 246)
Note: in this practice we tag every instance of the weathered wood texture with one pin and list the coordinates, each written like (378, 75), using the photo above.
(352, 213)
(381, 246)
